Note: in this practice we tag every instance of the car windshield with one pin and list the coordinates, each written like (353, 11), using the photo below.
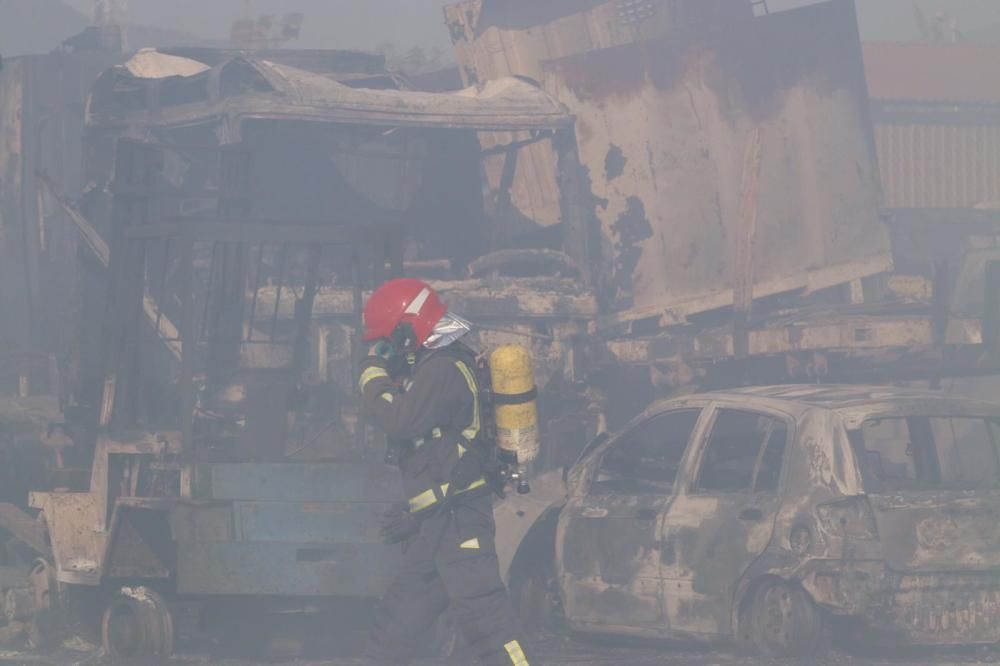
(645, 459)
(928, 453)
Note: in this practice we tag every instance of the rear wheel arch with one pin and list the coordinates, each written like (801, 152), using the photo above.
(532, 571)
(775, 563)
(742, 607)
(810, 621)
(536, 552)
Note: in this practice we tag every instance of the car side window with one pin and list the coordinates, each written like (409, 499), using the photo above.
(912, 453)
(744, 453)
(645, 459)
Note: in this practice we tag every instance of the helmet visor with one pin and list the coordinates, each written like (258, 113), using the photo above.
(448, 330)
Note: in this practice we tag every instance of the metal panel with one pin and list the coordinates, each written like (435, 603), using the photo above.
(41, 124)
(293, 482)
(310, 522)
(498, 39)
(669, 190)
(932, 72)
(360, 570)
(285, 522)
(13, 291)
(72, 520)
(665, 112)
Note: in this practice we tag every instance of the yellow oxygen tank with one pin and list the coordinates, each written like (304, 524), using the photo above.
(515, 402)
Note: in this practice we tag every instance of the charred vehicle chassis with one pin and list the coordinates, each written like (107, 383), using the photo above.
(769, 516)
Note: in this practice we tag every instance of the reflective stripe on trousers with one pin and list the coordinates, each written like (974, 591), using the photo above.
(516, 654)
(429, 497)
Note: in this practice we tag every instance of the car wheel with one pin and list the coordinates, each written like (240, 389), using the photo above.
(784, 622)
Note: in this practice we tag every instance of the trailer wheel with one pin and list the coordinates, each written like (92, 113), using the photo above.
(784, 622)
(137, 624)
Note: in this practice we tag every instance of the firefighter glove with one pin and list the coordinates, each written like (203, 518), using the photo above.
(374, 367)
(398, 524)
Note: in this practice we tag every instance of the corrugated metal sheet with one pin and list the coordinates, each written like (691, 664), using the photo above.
(937, 125)
(939, 165)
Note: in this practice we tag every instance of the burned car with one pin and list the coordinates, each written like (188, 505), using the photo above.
(768, 516)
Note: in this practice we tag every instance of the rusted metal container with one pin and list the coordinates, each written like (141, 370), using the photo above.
(497, 38)
(721, 168)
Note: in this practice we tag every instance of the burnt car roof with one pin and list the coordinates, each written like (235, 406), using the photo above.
(854, 403)
(838, 396)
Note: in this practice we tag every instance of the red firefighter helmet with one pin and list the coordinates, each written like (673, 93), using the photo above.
(403, 301)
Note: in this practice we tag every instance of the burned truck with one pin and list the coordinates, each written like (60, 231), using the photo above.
(235, 196)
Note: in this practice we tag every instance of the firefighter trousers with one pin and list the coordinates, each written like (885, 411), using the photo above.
(451, 563)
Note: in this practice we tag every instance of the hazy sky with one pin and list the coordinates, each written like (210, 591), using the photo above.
(367, 23)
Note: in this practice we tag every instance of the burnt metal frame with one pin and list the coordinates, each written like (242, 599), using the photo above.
(134, 220)
(135, 225)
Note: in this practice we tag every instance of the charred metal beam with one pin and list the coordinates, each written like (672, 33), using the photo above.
(24, 528)
(552, 298)
(848, 334)
(91, 237)
(218, 230)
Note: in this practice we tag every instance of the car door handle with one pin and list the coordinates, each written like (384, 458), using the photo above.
(751, 515)
(646, 514)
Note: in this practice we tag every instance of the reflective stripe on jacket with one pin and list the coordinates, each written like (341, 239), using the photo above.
(438, 414)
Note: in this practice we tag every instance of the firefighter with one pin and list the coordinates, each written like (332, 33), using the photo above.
(419, 385)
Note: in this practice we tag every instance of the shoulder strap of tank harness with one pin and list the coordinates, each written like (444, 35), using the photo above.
(484, 380)
(468, 364)
(496, 468)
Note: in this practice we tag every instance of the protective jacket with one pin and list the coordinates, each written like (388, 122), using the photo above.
(434, 420)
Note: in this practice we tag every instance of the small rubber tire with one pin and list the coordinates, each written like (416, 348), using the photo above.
(137, 627)
(125, 630)
(164, 620)
(784, 622)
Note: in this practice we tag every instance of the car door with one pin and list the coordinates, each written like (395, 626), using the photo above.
(722, 517)
(608, 535)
